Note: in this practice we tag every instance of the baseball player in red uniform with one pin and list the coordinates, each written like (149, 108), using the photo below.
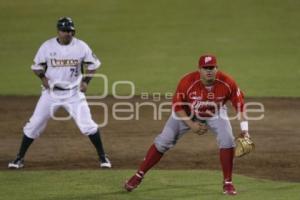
(199, 105)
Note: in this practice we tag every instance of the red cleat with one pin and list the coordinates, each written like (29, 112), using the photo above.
(228, 188)
(134, 181)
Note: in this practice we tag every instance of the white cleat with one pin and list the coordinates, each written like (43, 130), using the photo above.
(106, 164)
(16, 164)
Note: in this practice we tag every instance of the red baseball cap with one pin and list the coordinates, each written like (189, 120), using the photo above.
(207, 60)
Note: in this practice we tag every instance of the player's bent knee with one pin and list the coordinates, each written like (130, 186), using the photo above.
(226, 141)
(162, 145)
(89, 130)
(32, 130)
(226, 144)
(31, 134)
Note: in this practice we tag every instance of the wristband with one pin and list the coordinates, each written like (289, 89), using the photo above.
(41, 75)
(244, 126)
(86, 79)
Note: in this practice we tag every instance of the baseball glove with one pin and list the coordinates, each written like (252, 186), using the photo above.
(244, 145)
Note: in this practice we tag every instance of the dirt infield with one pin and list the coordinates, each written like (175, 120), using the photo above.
(61, 146)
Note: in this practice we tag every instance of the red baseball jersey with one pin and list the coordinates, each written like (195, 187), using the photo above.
(194, 97)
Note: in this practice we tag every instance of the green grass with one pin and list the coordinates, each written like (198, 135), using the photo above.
(158, 185)
(153, 43)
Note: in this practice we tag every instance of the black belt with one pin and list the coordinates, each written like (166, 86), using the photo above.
(62, 89)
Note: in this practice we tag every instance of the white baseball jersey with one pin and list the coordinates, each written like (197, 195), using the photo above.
(63, 63)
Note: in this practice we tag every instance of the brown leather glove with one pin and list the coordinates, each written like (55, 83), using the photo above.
(244, 145)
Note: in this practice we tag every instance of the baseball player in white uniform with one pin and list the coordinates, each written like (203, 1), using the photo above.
(60, 63)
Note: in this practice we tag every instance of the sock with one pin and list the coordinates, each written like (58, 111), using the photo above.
(153, 156)
(96, 140)
(26, 142)
(226, 159)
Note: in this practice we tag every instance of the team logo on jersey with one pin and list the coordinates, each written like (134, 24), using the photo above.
(207, 59)
(206, 108)
(64, 62)
(196, 98)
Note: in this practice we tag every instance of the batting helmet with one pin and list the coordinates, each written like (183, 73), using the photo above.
(65, 24)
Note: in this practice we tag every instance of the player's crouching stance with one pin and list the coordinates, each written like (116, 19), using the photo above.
(199, 104)
(59, 63)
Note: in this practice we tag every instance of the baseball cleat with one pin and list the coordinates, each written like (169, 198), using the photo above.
(134, 181)
(228, 188)
(16, 164)
(106, 164)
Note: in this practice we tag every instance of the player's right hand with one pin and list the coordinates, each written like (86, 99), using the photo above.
(83, 86)
(45, 83)
(199, 128)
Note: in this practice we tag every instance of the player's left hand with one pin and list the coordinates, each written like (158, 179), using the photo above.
(245, 134)
(244, 145)
(83, 87)
(199, 128)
